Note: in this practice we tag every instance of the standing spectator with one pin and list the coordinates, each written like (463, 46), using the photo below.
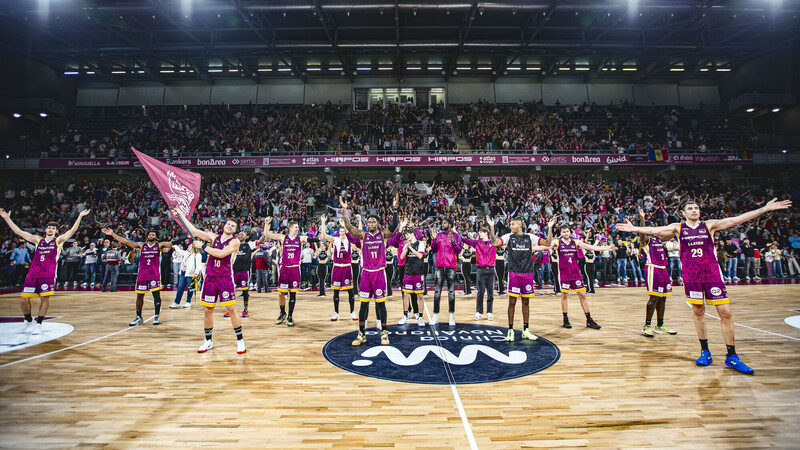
(111, 258)
(72, 261)
(777, 260)
(749, 251)
(263, 264)
(673, 252)
(306, 258)
(732, 253)
(90, 264)
(189, 272)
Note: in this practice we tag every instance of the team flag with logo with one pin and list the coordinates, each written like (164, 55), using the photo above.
(658, 155)
(179, 188)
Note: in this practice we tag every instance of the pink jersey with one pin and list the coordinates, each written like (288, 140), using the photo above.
(698, 255)
(290, 255)
(219, 267)
(45, 259)
(401, 260)
(150, 262)
(568, 269)
(656, 254)
(373, 250)
(341, 251)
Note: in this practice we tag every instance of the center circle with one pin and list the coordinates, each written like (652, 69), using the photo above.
(464, 354)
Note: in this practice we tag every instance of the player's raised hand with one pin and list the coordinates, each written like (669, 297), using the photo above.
(490, 221)
(641, 213)
(552, 221)
(106, 230)
(267, 223)
(324, 219)
(774, 205)
(627, 226)
(4, 214)
(84, 213)
(343, 204)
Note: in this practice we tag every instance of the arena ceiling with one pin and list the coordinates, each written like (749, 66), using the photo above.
(165, 40)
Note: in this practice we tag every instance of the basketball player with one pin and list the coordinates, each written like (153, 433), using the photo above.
(41, 279)
(659, 284)
(372, 284)
(702, 275)
(241, 271)
(446, 246)
(148, 278)
(218, 285)
(289, 274)
(412, 284)
(570, 278)
(342, 272)
(519, 257)
(486, 253)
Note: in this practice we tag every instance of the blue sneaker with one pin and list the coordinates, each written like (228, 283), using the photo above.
(705, 358)
(733, 361)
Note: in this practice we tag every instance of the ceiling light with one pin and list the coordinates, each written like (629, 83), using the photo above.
(413, 67)
(750, 109)
(263, 69)
(564, 68)
(581, 68)
(167, 71)
(42, 114)
(705, 69)
(629, 69)
(723, 69)
(464, 68)
(676, 69)
(515, 68)
(71, 72)
(385, 68)
(118, 72)
(363, 68)
(484, 68)
(284, 69)
(434, 67)
(334, 68)
(17, 115)
(776, 109)
(214, 70)
(313, 69)
(91, 72)
(233, 70)
(533, 68)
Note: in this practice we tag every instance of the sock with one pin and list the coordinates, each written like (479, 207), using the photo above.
(704, 344)
(352, 300)
(647, 322)
(283, 309)
(363, 313)
(245, 298)
(565, 316)
(139, 312)
(292, 300)
(28, 317)
(381, 307)
(731, 349)
(414, 303)
(510, 326)
(238, 331)
(208, 333)
(405, 314)
(39, 319)
(336, 300)
(661, 322)
(588, 316)
(525, 326)
(157, 301)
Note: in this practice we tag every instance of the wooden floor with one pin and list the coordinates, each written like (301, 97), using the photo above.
(147, 387)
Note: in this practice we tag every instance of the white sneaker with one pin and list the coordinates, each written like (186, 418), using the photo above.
(84, 284)
(737, 279)
(477, 316)
(403, 320)
(746, 278)
(435, 319)
(489, 316)
(417, 315)
(187, 305)
(156, 320)
(420, 322)
(451, 320)
(136, 322)
(240, 348)
(174, 306)
(74, 284)
(756, 278)
(353, 316)
(208, 344)
(37, 328)
(335, 317)
(25, 327)
(92, 285)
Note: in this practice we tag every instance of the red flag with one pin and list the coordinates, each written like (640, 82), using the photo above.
(180, 188)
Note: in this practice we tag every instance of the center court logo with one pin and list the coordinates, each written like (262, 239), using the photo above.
(469, 353)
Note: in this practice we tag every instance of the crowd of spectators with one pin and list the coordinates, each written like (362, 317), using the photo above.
(592, 206)
(205, 129)
(531, 126)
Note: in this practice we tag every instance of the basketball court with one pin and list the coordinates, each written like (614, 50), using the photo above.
(104, 384)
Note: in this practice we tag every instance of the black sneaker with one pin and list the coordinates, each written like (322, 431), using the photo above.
(281, 318)
(289, 321)
(590, 323)
(566, 323)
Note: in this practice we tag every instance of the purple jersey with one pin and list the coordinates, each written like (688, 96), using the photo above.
(150, 262)
(698, 255)
(656, 255)
(45, 259)
(219, 267)
(373, 250)
(290, 253)
(341, 251)
(568, 269)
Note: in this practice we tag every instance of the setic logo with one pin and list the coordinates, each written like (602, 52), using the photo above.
(465, 354)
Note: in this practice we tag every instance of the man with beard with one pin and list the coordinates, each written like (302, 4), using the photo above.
(148, 278)
(218, 284)
(372, 284)
(446, 246)
(41, 278)
(241, 271)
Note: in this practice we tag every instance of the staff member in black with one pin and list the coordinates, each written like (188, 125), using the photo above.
(321, 253)
(241, 270)
(389, 269)
(588, 271)
(466, 269)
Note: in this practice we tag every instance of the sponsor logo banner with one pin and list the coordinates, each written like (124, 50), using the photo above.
(470, 353)
(390, 160)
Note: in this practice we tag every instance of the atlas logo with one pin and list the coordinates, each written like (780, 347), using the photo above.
(465, 354)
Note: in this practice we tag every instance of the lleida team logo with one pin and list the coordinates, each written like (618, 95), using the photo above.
(466, 354)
